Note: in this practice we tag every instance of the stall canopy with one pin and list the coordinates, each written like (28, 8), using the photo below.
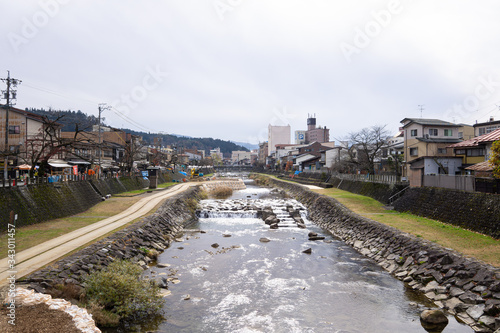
(24, 167)
(59, 165)
(79, 162)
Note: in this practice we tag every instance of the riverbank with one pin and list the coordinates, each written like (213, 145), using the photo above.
(467, 242)
(462, 286)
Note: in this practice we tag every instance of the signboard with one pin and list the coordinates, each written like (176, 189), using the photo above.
(75, 169)
(145, 174)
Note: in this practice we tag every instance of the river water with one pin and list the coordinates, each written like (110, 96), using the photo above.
(245, 285)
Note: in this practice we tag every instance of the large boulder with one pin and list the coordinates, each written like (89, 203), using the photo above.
(433, 320)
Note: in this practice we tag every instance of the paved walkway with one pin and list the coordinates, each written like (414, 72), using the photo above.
(38, 256)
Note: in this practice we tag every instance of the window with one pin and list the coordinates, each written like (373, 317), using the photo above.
(460, 135)
(413, 151)
(414, 132)
(448, 132)
(475, 152)
(433, 132)
(14, 130)
(460, 151)
(14, 149)
(442, 151)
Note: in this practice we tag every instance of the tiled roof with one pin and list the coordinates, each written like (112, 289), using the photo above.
(489, 137)
(481, 166)
(429, 122)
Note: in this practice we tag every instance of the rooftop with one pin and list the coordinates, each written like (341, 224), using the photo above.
(489, 137)
(426, 122)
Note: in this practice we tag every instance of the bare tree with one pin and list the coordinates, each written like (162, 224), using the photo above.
(132, 153)
(366, 146)
(47, 143)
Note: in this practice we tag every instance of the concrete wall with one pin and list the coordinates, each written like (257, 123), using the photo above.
(463, 183)
(474, 211)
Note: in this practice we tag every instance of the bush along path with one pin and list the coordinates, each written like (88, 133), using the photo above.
(462, 286)
(138, 243)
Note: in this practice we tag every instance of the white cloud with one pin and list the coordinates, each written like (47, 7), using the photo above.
(227, 76)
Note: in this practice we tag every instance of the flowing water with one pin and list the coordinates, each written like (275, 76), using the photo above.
(245, 285)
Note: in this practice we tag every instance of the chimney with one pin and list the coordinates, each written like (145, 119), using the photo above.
(492, 119)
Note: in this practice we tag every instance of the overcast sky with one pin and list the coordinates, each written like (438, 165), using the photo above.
(228, 68)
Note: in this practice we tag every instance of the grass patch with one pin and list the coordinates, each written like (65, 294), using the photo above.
(221, 192)
(467, 242)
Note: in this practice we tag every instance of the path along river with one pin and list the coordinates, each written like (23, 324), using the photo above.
(245, 285)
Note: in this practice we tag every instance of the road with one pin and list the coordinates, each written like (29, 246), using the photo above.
(38, 256)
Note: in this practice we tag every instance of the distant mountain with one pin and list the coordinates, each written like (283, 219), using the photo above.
(226, 147)
(69, 119)
(247, 145)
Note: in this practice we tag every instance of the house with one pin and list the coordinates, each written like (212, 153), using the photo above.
(304, 158)
(426, 150)
(24, 137)
(486, 127)
(476, 152)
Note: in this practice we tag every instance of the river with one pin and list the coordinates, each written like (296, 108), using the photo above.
(246, 285)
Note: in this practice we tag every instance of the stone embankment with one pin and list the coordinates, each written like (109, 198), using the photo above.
(42, 202)
(234, 184)
(151, 235)
(462, 286)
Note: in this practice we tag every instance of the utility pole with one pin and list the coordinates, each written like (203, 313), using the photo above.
(102, 107)
(421, 108)
(9, 95)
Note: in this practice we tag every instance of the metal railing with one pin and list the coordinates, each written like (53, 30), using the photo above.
(386, 179)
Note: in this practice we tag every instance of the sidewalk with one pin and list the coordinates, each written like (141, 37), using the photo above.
(38, 256)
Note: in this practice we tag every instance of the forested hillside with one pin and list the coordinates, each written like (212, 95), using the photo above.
(69, 119)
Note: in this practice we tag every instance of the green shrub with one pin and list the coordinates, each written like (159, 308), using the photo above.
(118, 292)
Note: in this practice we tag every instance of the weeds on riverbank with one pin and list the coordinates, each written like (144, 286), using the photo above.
(116, 293)
(221, 192)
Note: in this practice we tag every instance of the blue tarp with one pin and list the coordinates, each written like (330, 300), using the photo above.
(183, 173)
(297, 172)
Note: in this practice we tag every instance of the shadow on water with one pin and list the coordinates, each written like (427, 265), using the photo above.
(226, 279)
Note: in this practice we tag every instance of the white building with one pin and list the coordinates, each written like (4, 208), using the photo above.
(240, 155)
(278, 135)
(216, 153)
(300, 137)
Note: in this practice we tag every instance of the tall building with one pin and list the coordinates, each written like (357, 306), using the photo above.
(316, 134)
(300, 137)
(277, 135)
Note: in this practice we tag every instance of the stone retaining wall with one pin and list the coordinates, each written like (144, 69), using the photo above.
(42, 202)
(154, 232)
(474, 211)
(118, 185)
(462, 286)
(378, 191)
(234, 184)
